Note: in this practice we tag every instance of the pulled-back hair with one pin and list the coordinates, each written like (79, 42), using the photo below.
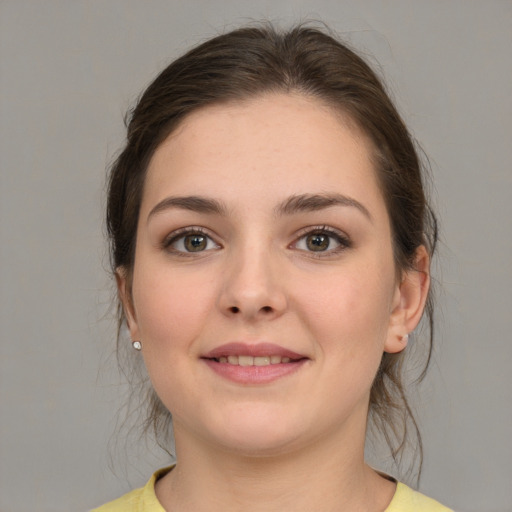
(258, 60)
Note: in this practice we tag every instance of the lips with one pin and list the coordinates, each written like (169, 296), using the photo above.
(252, 350)
(253, 363)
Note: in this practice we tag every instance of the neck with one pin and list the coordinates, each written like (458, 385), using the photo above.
(316, 477)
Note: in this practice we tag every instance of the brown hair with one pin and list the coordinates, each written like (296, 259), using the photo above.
(256, 60)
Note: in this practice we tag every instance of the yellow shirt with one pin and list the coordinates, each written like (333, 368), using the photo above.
(145, 500)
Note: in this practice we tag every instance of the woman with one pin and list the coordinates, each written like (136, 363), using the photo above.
(271, 242)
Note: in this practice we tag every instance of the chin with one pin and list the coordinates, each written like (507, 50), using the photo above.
(258, 432)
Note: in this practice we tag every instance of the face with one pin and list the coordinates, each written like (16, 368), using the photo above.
(264, 289)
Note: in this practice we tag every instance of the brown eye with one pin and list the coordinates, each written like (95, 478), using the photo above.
(195, 243)
(190, 241)
(318, 242)
(323, 241)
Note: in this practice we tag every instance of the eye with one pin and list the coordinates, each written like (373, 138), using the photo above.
(189, 241)
(322, 240)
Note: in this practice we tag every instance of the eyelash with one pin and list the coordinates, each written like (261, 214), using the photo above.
(180, 234)
(340, 238)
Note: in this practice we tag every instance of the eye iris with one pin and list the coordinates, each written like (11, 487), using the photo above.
(195, 243)
(317, 242)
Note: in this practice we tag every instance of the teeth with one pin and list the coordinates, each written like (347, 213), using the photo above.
(245, 360)
(253, 361)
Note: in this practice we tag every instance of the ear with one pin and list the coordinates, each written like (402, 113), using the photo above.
(409, 302)
(125, 296)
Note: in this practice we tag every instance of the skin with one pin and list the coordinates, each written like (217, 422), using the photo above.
(245, 446)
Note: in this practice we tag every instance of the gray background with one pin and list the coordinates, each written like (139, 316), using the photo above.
(70, 69)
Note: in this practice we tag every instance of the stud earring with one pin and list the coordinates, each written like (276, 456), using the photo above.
(405, 338)
(137, 345)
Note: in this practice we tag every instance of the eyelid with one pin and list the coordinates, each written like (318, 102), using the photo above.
(177, 234)
(340, 236)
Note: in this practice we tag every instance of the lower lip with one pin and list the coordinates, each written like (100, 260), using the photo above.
(254, 374)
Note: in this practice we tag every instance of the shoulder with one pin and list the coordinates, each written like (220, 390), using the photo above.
(128, 502)
(406, 499)
(138, 500)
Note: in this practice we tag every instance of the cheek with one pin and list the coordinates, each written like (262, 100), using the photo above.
(348, 311)
(169, 306)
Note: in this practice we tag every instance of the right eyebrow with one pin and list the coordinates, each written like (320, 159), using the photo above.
(194, 203)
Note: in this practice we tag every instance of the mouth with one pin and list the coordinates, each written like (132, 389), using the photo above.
(239, 360)
(253, 364)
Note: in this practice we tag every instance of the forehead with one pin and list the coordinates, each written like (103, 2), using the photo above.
(277, 144)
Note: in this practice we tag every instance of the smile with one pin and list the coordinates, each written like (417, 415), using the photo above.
(253, 361)
(253, 364)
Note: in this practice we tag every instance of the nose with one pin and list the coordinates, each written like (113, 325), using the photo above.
(253, 287)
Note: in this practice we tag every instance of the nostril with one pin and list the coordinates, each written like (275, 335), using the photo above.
(248, 311)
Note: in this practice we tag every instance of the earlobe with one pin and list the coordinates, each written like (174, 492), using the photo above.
(125, 296)
(409, 303)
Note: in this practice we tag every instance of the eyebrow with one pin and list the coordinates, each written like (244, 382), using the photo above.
(294, 204)
(193, 203)
(314, 202)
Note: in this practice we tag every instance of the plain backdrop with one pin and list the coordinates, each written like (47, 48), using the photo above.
(69, 71)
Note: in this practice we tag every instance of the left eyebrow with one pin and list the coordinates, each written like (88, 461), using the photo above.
(313, 202)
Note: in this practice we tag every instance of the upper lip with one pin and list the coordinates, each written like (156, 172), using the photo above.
(253, 349)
